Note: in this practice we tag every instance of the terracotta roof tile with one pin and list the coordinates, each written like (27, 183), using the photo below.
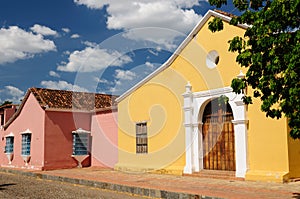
(62, 99)
(67, 101)
(225, 13)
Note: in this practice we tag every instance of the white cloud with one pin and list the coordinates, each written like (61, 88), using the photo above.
(124, 75)
(54, 74)
(113, 90)
(62, 85)
(150, 65)
(103, 81)
(93, 59)
(170, 18)
(17, 44)
(75, 36)
(12, 93)
(93, 4)
(43, 30)
(66, 30)
(90, 44)
(66, 52)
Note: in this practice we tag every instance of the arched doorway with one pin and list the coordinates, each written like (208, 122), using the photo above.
(218, 137)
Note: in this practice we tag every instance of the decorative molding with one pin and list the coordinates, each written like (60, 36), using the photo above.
(187, 94)
(239, 103)
(188, 124)
(214, 92)
(10, 135)
(197, 124)
(188, 108)
(80, 130)
(26, 132)
(239, 122)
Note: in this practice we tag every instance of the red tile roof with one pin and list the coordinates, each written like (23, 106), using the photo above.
(61, 99)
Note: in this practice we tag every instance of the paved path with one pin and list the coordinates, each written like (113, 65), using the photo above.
(14, 186)
(169, 186)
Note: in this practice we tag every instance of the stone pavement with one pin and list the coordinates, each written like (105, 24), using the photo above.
(167, 186)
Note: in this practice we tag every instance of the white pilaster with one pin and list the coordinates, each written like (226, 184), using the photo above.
(188, 113)
(200, 149)
(240, 135)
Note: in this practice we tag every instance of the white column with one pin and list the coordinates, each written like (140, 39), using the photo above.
(188, 114)
(240, 134)
(195, 146)
(200, 147)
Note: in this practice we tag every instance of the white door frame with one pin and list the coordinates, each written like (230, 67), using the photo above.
(194, 104)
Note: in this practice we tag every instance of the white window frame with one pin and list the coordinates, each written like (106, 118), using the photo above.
(9, 145)
(84, 139)
(26, 157)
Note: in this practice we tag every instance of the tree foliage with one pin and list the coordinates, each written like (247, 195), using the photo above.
(270, 50)
(6, 102)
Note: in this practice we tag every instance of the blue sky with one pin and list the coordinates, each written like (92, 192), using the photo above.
(89, 45)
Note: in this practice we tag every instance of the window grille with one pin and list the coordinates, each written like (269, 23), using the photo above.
(80, 143)
(141, 138)
(9, 146)
(26, 141)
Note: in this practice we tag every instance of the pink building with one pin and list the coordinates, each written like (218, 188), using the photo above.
(54, 129)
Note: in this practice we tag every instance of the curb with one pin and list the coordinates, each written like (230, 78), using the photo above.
(148, 192)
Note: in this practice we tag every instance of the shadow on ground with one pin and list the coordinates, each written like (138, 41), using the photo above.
(2, 186)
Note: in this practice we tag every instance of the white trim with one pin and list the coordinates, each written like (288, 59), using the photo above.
(192, 34)
(187, 108)
(193, 133)
(80, 130)
(214, 92)
(26, 132)
(239, 121)
(10, 135)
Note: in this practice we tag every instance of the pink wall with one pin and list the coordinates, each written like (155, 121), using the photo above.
(104, 132)
(59, 140)
(32, 118)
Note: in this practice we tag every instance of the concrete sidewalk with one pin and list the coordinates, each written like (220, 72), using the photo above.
(166, 186)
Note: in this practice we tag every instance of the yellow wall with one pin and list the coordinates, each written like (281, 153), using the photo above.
(160, 103)
(267, 146)
(157, 103)
(294, 157)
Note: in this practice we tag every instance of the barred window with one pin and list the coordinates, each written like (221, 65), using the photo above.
(81, 142)
(26, 141)
(141, 138)
(9, 146)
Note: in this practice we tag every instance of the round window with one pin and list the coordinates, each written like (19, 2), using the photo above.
(212, 59)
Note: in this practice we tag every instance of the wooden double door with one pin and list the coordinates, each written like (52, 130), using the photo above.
(218, 137)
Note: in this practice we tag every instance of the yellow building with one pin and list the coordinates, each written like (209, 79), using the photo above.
(171, 121)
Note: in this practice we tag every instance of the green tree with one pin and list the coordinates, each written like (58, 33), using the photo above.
(270, 50)
(6, 102)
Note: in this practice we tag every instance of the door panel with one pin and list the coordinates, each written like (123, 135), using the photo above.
(218, 139)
